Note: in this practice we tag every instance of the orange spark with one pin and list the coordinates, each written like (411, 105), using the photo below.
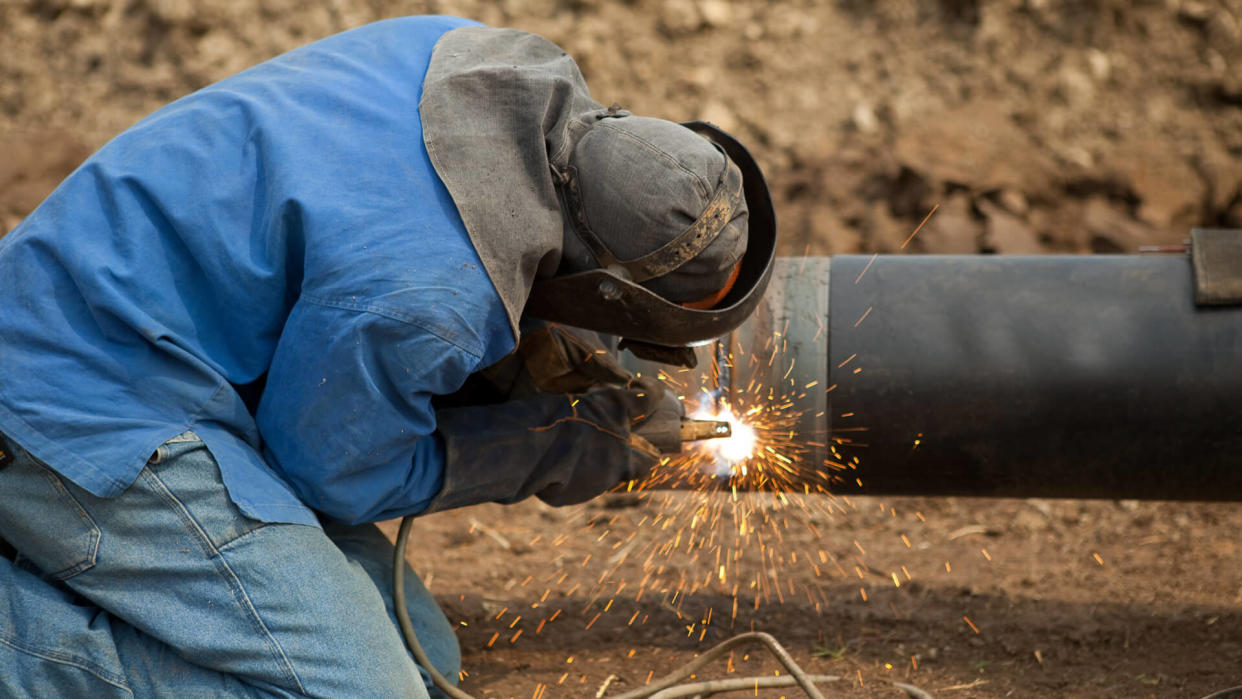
(920, 226)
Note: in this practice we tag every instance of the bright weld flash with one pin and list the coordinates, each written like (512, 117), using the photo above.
(728, 452)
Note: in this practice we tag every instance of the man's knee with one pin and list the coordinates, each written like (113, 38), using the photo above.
(37, 622)
(275, 607)
(367, 547)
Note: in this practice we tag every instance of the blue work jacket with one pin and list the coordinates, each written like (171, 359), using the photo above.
(282, 226)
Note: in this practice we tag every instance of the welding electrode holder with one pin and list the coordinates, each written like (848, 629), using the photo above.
(668, 438)
(696, 430)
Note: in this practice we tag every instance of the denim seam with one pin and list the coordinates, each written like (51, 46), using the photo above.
(93, 549)
(391, 313)
(231, 542)
(72, 661)
(183, 439)
(224, 570)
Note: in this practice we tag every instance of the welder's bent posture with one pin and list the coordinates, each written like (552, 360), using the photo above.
(242, 328)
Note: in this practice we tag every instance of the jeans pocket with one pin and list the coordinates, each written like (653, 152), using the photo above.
(186, 441)
(44, 521)
(184, 473)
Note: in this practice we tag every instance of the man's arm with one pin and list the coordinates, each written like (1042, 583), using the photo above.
(347, 420)
(346, 415)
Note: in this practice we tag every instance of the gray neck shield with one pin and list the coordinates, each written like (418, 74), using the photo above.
(499, 108)
(502, 111)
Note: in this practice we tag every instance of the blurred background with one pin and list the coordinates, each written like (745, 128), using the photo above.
(1057, 125)
(1035, 125)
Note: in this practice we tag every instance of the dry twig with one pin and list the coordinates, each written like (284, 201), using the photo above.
(604, 687)
(736, 684)
(656, 689)
(491, 533)
(913, 691)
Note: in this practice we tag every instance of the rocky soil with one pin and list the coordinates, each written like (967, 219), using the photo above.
(1037, 125)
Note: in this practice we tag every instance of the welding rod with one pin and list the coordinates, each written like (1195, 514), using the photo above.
(1028, 376)
(695, 430)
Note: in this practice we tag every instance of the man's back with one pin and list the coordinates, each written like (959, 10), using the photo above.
(162, 274)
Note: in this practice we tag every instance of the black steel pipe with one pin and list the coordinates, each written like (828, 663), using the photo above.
(1042, 376)
(1083, 376)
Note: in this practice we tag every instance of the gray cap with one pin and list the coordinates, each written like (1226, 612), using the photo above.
(642, 182)
(503, 115)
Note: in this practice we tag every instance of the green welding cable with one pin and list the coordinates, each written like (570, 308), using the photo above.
(403, 614)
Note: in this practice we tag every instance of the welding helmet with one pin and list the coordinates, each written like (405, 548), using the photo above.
(612, 298)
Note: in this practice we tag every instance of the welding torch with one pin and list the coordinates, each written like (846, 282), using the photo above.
(697, 429)
(668, 439)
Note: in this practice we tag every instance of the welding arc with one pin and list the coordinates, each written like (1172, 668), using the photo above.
(664, 688)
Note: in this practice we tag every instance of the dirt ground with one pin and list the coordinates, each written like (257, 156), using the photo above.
(1156, 615)
(1034, 125)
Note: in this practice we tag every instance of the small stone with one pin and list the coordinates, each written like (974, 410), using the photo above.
(1169, 188)
(715, 13)
(680, 16)
(1216, 62)
(882, 232)
(1076, 87)
(701, 76)
(1226, 27)
(719, 114)
(1234, 213)
(864, 118)
(1114, 231)
(1013, 201)
(1031, 521)
(1101, 65)
(174, 11)
(982, 137)
(827, 234)
(1196, 11)
(1006, 233)
(953, 229)
(1076, 155)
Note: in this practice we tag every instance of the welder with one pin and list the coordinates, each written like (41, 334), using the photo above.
(290, 304)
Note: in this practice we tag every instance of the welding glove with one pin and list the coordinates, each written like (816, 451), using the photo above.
(564, 449)
(662, 425)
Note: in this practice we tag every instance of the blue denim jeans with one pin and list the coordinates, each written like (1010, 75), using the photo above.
(168, 590)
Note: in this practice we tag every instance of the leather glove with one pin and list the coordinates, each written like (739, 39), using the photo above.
(565, 449)
(661, 424)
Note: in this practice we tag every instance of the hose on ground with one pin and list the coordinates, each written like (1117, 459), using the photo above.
(663, 688)
(403, 615)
